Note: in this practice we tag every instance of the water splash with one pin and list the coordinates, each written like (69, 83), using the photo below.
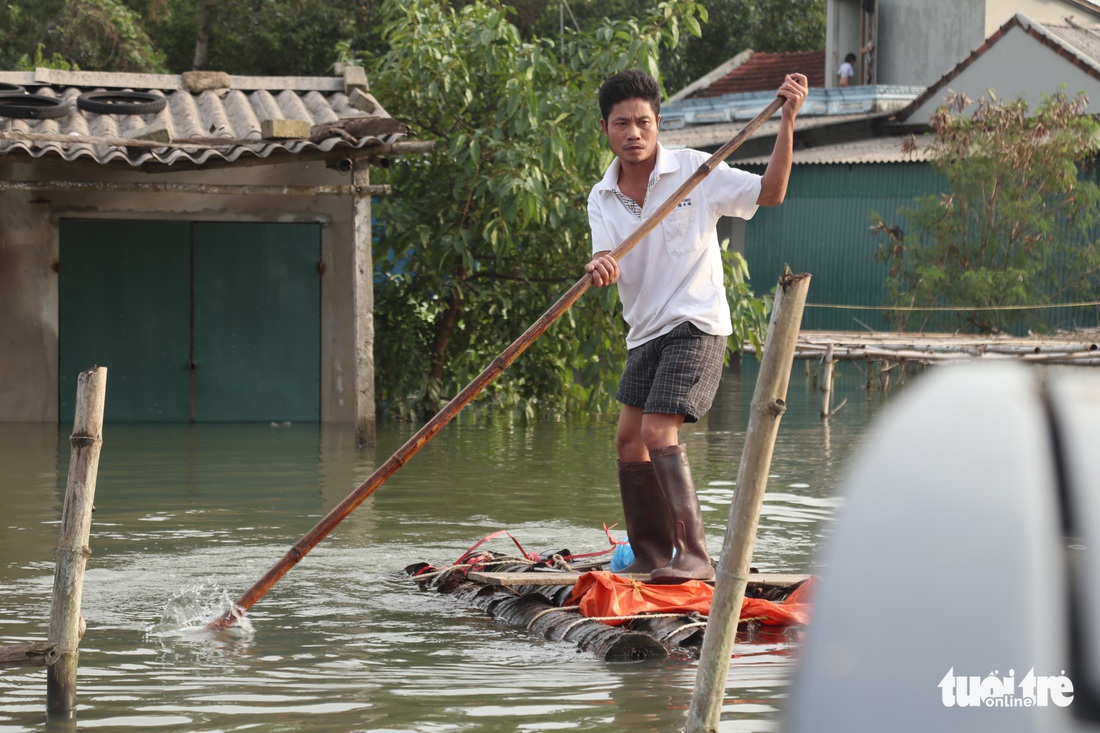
(189, 611)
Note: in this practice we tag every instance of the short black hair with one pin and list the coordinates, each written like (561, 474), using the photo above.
(632, 84)
(850, 58)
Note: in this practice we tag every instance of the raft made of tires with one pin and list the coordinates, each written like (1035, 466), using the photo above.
(540, 610)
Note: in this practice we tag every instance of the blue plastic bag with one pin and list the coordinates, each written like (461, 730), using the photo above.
(622, 556)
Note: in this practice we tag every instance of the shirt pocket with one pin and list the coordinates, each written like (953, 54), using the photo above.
(679, 230)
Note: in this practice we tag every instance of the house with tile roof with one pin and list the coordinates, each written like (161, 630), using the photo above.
(838, 191)
(854, 160)
(206, 237)
(909, 50)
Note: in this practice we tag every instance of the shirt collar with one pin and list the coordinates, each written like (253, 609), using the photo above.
(666, 163)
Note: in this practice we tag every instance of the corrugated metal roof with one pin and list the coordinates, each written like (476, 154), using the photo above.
(1089, 6)
(215, 126)
(873, 150)
(836, 102)
(1086, 39)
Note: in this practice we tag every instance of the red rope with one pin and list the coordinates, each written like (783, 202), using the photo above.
(526, 555)
(472, 559)
(610, 540)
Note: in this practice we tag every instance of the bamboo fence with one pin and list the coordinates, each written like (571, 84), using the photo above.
(1081, 348)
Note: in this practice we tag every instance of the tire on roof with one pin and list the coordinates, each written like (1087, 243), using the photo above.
(121, 103)
(31, 107)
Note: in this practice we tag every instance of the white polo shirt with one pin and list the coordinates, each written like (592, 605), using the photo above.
(674, 274)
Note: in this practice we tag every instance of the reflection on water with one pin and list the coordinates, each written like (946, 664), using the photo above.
(189, 517)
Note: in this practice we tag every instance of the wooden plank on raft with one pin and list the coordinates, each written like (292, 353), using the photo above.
(756, 580)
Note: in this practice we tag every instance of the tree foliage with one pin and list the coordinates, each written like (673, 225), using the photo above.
(86, 34)
(266, 38)
(1016, 227)
(730, 27)
(748, 311)
(488, 231)
(292, 37)
(737, 25)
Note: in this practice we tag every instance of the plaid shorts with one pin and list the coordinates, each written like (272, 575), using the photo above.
(674, 374)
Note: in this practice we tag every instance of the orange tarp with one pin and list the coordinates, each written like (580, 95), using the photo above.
(605, 595)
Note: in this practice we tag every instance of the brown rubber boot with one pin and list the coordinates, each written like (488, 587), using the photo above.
(648, 522)
(674, 475)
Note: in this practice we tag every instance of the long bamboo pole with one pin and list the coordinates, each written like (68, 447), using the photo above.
(452, 408)
(769, 402)
(72, 547)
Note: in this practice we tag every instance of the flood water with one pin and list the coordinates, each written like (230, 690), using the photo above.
(189, 517)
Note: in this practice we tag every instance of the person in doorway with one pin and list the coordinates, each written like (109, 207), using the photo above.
(674, 303)
(846, 71)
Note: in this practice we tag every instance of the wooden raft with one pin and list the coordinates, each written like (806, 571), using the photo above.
(536, 600)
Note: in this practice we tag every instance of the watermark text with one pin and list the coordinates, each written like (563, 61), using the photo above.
(997, 691)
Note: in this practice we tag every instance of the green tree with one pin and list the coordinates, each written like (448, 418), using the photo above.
(88, 34)
(270, 37)
(1017, 224)
(484, 234)
(770, 26)
(21, 23)
(730, 27)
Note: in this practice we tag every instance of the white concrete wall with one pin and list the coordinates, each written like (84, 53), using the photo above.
(919, 42)
(29, 250)
(28, 310)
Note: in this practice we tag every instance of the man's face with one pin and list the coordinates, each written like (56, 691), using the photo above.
(631, 130)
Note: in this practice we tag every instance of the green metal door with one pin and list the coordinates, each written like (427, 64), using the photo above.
(257, 322)
(124, 303)
(210, 322)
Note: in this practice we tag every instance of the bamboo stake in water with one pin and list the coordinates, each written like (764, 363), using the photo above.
(827, 382)
(72, 548)
(452, 408)
(768, 404)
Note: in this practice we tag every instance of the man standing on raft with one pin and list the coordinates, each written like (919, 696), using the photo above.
(674, 302)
